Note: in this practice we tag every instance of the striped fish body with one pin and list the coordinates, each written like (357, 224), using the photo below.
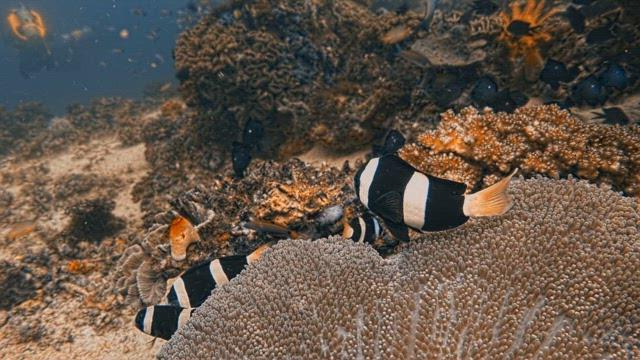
(162, 320)
(363, 229)
(194, 286)
(404, 197)
(189, 291)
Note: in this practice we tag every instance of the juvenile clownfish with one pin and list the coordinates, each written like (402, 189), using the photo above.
(406, 198)
(363, 229)
(193, 287)
(189, 291)
(162, 320)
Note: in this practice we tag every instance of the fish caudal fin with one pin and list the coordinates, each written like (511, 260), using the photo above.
(491, 201)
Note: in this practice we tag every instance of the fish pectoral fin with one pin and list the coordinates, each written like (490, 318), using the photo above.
(399, 231)
(389, 206)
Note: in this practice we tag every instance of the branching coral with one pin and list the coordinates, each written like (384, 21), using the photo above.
(541, 139)
(522, 35)
(556, 276)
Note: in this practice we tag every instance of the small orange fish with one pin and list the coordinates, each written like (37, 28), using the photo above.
(21, 229)
(181, 234)
(396, 35)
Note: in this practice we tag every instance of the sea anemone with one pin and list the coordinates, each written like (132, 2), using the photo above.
(556, 277)
(522, 33)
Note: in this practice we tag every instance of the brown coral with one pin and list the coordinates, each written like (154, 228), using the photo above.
(554, 277)
(281, 62)
(291, 194)
(540, 139)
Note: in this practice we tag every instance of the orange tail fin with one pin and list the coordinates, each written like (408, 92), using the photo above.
(491, 201)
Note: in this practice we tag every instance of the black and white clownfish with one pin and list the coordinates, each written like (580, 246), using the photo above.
(406, 198)
(162, 320)
(365, 228)
(189, 290)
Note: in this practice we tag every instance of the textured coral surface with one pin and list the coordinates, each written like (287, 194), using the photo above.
(283, 62)
(538, 140)
(290, 194)
(554, 277)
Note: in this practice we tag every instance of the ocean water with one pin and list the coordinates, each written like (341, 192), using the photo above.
(97, 61)
(128, 158)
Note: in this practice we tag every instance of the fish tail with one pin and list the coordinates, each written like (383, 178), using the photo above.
(491, 201)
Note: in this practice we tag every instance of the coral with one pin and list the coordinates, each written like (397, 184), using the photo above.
(280, 62)
(291, 194)
(522, 35)
(6, 199)
(17, 284)
(556, 276)
(92, 220)
(21, 124)
(181, 234)
(289, 203)
(538, 139)
(73, 185)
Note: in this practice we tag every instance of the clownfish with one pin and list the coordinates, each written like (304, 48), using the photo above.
(406, 198)
(162, 320)
(188, 291)
(363, 229)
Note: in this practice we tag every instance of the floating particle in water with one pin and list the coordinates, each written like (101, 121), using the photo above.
(124, 34)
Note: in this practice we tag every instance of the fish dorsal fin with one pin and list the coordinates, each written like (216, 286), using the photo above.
(389, 206)
(399, 231)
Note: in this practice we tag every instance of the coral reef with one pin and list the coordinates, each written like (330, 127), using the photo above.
(31, 131)
(555, 276)
(280, 62)
(537, 140)
(290, 194)
(77, 184)
(92, 220)
(17, 285)
(25, 121)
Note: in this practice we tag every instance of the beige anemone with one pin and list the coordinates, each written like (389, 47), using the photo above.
(556, 277)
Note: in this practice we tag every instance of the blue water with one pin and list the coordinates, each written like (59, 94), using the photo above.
(101, 63)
